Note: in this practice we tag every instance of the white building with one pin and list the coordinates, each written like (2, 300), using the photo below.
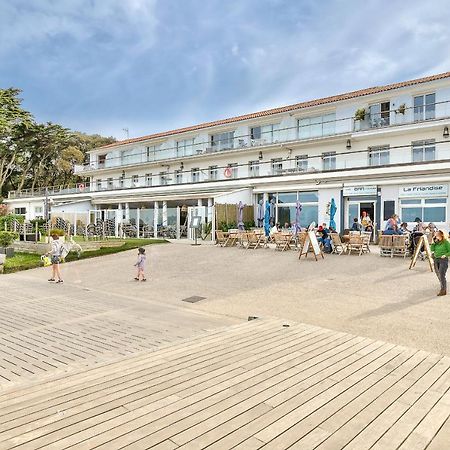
(383, 149)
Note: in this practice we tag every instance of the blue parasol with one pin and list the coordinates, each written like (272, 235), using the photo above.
(267, 219)
(298, 208)
(333, 209)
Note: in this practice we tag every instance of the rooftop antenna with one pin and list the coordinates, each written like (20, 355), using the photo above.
(127, 132)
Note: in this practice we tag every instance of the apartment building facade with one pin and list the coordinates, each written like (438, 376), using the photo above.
(384, 150)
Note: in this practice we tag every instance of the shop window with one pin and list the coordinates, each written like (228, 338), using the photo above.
(389, 209)
(287, 197)
(426, 209)
(423, 150)
(308, 197)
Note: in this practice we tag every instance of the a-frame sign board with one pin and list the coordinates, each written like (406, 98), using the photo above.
(423, 242)
(311, 244)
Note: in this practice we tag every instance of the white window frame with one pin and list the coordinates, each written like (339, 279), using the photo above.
(301, 163)
(99, 184)
(421, 112)
(253, 168)
(110, 183)
(423, 146)
(329, 160)
(135, 180)
(379, 117)
(195, 175)
(421, 203)
(276, 165)
(148, 179)
(185, 147)
(376, 153)
(163, 181)
(213, 172)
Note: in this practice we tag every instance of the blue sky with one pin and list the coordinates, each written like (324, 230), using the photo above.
(99, 66)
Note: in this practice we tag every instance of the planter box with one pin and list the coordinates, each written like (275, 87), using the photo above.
(7, 251)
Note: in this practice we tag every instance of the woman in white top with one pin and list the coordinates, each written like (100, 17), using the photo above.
(55, 256)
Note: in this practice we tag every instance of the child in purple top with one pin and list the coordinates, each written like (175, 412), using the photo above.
(140, 264)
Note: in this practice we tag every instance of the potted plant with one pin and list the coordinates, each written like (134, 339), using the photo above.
(401, 109)
(360, 115)
(6, 239)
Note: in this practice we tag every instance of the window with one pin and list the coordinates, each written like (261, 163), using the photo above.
(301, 163)
(110, 183)
(222, 141)
(101, 160)
(287, 212)
(310, 127)
(195, 175)
(148, 179)
(21, 211)
(423, 150)
(379, 114)
(277, 166)
(163, 178)
(424, 107)
(212, 171)
(379, 156)
(427, 209)
(38, 210)
(121, 180)
(287, 197)
(185, 148)
(135, 180)
(99, 185)
(253, 168)
(329, 160)
(151, 152)
(265, 134)
(178, 176)
(234, 169)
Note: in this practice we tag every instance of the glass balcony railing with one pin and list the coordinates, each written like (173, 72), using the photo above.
(420, 154)
(371, 119)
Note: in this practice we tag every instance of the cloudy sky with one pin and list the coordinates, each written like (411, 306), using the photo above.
(99, 66)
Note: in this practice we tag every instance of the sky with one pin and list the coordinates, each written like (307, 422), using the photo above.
(100, 66)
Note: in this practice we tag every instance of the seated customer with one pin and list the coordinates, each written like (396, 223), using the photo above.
(356, 226)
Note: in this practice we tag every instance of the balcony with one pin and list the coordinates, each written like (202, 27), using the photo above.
(417, 157)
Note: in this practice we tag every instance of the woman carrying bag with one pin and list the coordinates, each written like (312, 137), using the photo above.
(441, 251)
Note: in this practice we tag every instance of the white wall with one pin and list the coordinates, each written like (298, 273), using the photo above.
(242, 195)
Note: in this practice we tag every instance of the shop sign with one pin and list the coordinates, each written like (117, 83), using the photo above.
(350, 191)
(421, 191)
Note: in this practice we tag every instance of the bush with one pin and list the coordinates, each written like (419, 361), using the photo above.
(7, 238)
(227, 226)
(249, 225)
(8, 220)
(56, 231)
(360, 114)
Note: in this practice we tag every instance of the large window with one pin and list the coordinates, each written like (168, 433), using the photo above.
(424, 107)
(253, 168)
(185, 148)
(379, 156)
(163, 178)
(423, 150)
(301, 163)
(286, 207)
(379, 114)
(426, 209)
(329, 160)
(178, 176)
(277, 166)
(148, 179)
(151, 152)
(310, 127)
(20, 211)
(265, 134)
(222, 141)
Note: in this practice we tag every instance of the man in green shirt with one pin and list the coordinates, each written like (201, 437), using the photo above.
(441, 251)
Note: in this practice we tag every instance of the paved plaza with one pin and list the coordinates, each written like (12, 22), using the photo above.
(104, 361)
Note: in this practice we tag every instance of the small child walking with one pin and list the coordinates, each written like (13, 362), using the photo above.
(140, 264)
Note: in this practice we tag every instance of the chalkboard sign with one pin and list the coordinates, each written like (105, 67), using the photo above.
(389, 209)
(311, 244)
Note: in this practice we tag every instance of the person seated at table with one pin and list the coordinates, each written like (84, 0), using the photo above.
(356, 226)
(287, 226)
(404, 228)
(275, 229)
(392, 226)
(416, 234)
(431, 227)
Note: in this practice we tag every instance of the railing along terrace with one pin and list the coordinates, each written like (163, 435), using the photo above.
(370, 119)
(416, 153)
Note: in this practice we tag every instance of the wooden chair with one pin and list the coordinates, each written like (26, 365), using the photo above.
(399, 245)
(254, 240)
(281, 241)
(385, 244)
(338, 246)
(356, 244)
(222, 238)
(366, 235)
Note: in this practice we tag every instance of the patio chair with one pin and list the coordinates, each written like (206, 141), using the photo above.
(385, 244)
(366, 235)
(253, 239)
(281, 241)
(399, 245)
(338, 246)
(356, 244)
(301, 239)
(222, 238)
(243, 239)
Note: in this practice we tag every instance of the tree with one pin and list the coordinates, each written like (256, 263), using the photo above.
(14, 120)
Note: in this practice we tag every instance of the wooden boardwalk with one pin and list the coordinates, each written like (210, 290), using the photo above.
(250, 386)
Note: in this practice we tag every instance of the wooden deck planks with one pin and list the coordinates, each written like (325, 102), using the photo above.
(256, 385)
